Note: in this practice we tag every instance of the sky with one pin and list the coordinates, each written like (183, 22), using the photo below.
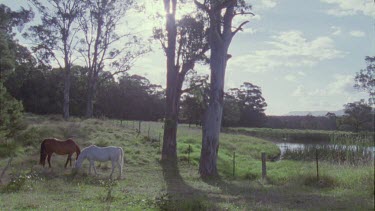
(304, 54)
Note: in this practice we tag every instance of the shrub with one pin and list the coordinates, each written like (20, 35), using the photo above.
(22, 181)
(10, 114)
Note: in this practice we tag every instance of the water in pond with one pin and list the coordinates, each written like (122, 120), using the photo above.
(329, 152)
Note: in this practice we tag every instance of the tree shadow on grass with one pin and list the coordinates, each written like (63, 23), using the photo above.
(280, 197)
(181, 196)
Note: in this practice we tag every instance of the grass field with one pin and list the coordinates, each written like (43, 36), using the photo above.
(149, 184)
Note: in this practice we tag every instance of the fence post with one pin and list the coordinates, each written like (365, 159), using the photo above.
(139, 126)
(189, 149)
(317, 164)
(159, 143)
(264, 168)
(234, 163)
(148, 132)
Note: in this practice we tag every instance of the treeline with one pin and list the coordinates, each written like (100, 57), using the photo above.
(358, 116)
(302, 122)
(243, 106)
(40, 90)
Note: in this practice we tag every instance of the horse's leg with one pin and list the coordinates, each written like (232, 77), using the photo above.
(92, 163)
(120, 168)
(113, 168)
(67, 160)
(70, 159)
(90, 167)
(49, 159)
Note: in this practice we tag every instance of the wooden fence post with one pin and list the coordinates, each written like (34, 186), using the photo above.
(189, 149)
(148, 132)
(264, 168)
(234, 163)
(159, 143)
(317, 164)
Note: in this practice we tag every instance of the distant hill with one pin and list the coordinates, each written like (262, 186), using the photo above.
(314, 113)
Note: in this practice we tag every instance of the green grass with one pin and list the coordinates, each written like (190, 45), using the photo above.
(148, 185)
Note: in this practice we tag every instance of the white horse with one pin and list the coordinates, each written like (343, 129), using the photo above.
(95, 153)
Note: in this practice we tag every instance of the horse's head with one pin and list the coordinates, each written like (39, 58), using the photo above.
(79, 160)
(78, 165)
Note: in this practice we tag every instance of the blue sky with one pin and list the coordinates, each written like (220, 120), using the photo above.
(303, 54)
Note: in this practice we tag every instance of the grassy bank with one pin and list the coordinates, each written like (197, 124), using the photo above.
(151, 185)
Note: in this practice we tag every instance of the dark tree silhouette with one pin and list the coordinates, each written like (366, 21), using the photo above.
(365, 79)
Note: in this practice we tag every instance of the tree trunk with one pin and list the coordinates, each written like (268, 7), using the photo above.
(91, 93)
(89, 102)
(66, 96)
(212, 119)
(169, 151)
(66, 90)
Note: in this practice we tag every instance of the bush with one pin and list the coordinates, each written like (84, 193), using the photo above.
(22, 181)
(33, 136)
(10, 114)
(7, 150)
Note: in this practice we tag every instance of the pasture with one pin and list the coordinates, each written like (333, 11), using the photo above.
(148, 184)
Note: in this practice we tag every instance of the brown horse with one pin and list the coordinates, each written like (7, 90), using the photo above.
(52, 145)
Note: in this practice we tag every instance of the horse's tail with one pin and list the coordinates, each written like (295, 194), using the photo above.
(43, 153)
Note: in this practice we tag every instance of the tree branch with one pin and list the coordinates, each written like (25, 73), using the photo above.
(201, 6)
(239, 28)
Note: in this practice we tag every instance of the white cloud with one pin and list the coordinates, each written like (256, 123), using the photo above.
(265, 4)
(351, 7)
(335, 30)
(290, 77)
(299, 91)
(293, 77)
(287, 50)
(330, 97)
(340, 85)
(357, 33)
(249, 31)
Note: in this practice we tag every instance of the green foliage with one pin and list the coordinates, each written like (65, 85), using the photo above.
(33, 136)
(22, 181)
(10, 114)
(365, 79)
(358, 117)
(8, 20)
(8, 149)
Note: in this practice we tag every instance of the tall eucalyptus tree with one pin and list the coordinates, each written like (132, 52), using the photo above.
(103, 45)
(54, 37)
(220, 35)
(184, 43)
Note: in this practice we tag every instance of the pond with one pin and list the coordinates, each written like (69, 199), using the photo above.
(335, 153)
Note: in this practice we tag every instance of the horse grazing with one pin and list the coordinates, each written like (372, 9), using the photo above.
(52, 145)
(95, 153)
